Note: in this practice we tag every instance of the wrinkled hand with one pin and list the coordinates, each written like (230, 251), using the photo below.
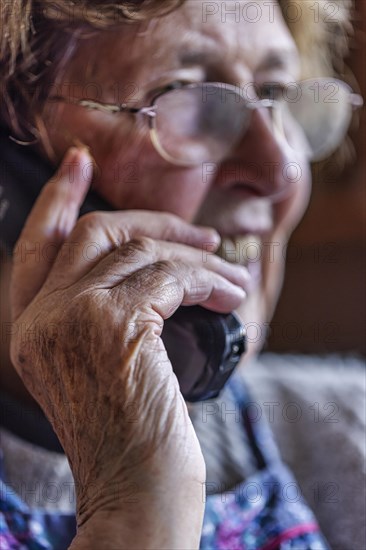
(89, 298)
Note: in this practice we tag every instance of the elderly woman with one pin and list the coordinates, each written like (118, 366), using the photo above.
(179, 129)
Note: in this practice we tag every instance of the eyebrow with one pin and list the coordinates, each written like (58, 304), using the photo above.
(278, 59)
(275, 59)
(187, 58)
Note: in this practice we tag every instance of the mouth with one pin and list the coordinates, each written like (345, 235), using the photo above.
(241, 249)
(245, 250)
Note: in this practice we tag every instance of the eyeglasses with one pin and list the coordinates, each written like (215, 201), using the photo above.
(194, 123)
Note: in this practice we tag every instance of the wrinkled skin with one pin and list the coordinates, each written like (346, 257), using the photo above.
(88, 345)
(112, 360)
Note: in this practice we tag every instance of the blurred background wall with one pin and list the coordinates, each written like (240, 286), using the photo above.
(323, 305)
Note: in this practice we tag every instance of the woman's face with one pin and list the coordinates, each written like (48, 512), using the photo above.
(232, 42)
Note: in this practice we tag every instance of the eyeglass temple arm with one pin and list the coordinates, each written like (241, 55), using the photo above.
(356, 100)
(107, 107)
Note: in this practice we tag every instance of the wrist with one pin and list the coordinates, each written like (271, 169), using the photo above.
(166, 517)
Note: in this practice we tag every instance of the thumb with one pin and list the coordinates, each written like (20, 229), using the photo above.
(49, 223)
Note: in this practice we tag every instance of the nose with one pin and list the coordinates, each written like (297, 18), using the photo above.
(262, 161)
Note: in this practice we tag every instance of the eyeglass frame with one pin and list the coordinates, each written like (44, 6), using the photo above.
(355, 100)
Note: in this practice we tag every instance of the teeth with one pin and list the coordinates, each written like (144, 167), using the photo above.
(241, 249)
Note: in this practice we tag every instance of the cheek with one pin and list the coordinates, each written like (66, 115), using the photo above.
(130, 174)
(135, 183)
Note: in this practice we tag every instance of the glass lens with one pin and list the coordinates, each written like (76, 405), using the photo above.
(322, 110)
(199, 123)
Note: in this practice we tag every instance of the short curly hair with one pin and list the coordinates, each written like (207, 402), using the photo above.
(38, 38)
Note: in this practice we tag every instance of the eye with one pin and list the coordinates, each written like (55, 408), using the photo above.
(178, 84)
(173, 84)
(166, 87)
(272, 90)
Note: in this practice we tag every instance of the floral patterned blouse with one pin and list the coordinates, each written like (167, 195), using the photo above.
(265, 512)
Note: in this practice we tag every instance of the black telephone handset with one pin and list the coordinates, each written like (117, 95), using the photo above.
(204, 347)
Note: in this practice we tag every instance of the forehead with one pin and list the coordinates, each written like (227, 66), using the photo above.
(236, 39)
(243, 31)
(233, 30)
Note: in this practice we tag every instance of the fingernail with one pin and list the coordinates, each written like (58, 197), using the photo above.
(70, 155)
(216, 237)
(83, 147)
(76, 171)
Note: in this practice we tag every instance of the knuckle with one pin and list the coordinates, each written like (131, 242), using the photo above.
(89, 222)
(168, 268)
(154, 280)
(137, 249)
(167, 279)
(162, 274)
(142, 244)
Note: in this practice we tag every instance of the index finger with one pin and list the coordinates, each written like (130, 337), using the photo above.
(51, 220)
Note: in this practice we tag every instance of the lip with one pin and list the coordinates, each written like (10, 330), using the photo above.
(236, 224)
(243, 249)
(246, 190)
(242, 188)
(242, 232)
(234, 250)
(248, 212)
